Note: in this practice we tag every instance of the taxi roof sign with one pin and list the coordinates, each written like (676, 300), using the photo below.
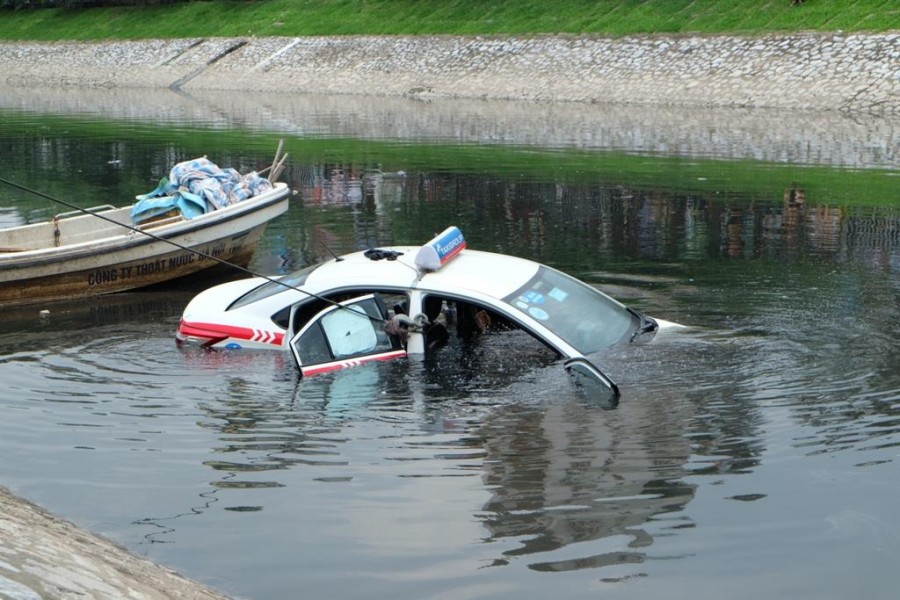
(441, 249)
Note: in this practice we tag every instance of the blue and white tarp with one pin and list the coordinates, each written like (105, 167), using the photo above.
(195, 187)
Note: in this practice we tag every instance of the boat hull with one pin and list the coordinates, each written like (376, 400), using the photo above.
(134, 260)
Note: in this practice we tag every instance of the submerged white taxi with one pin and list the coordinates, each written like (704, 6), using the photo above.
(386, 303)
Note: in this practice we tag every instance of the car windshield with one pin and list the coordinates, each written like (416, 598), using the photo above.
(586, 318)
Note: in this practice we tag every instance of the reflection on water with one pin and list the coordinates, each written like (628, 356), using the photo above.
(764, 435)
(572, 474)
(552, 220)
(797, 137)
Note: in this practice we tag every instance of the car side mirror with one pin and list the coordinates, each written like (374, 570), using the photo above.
(591, 381)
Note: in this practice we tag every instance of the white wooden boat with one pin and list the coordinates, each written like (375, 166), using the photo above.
(79, 254)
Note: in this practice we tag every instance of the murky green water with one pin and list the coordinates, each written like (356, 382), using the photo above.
(754, 455)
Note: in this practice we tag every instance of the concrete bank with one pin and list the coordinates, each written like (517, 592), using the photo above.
(43, 557)
(807, 71)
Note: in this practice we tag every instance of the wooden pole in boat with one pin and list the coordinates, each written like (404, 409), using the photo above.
(276, 172)
(277, 155)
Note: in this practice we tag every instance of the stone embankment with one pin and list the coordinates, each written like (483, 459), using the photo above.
(45, 558)
(809, 71)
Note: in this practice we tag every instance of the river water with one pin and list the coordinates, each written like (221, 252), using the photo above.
(753, 454)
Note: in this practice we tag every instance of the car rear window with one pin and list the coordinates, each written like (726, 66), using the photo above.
(270, 288)
(585, 317)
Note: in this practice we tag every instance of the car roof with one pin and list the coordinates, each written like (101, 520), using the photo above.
(495, 275)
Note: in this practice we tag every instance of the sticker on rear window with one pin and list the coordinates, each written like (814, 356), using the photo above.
(558, 295)
(534, 297)
(538, 313)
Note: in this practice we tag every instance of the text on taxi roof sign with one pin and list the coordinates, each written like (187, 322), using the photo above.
(441, 249)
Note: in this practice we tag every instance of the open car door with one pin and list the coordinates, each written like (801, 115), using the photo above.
(345, 335)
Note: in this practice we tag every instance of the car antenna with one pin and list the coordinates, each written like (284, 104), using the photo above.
(221, 261)
(331, 252)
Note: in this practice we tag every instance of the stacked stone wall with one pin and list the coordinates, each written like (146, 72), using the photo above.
(807, 71)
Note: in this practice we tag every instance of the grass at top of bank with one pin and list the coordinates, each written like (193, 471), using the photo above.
(710, 179)
(230, 18)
